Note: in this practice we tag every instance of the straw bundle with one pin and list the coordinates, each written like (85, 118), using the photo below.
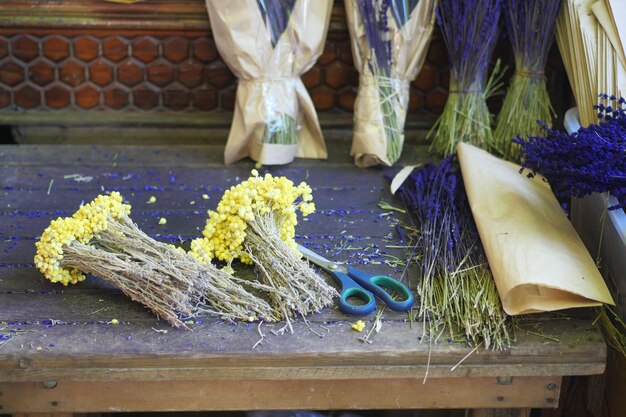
(591, 35)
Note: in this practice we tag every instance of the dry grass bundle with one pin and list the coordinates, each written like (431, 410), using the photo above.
(298, 288)
(100, 239)
(530, 25)
(255, 223)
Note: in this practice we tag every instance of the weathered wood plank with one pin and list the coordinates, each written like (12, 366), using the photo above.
(34, 200)
(329, 222)
(111, 156)
(180, 178)
(94, 349)
(166, 156)
(273, 394)
(15, 279)
(525, 412)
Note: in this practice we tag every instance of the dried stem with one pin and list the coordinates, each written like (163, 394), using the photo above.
(297, 289)
(168, 281)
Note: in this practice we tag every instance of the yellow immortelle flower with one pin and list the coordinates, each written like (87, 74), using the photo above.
(359, 325)
(94, 214)
(61, 232)
(225, 230)
(89, 220)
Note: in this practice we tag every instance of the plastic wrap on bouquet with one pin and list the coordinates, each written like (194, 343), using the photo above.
(268, 47)
(389, 42)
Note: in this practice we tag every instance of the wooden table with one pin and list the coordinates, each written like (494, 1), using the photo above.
(60, 352)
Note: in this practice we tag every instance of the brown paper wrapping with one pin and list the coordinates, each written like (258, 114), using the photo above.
(409, 46)
(269, 78)
(538, 261)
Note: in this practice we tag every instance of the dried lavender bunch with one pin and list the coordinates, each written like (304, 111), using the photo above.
(375, 23)
(456, 288)
(469, 29)
(281, 128)
(591, 160)
(530, 26)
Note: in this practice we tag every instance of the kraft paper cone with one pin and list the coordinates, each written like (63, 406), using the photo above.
(409, 44)
(269, 77)
(538, 261)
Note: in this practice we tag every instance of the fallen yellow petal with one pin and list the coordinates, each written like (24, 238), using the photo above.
(358, 326)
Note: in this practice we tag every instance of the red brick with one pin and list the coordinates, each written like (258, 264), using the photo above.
(41, 73)
(5, 97)
(175, 99)
(145, 49)
(56, 48)
(227, 98)
(338, 74)
(87, 97)
(72, 73)
(204, 50)
(204, 99)
(11, 73)
(161, 73)
(25, 48)
(116, 97)
(190, 74)
(130, 73)
(346, 100)
(57, 97)
(4, 47)
(313, 77)
(85, 48)
(176, 49)
(218, 74)
(27, 97)
(323, 98)
(145, 97)
(329, 54)
(100, 72)
(115, 48)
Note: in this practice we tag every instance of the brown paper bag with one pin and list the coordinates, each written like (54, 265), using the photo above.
(409, 45)
(538, 261)
(270, 93)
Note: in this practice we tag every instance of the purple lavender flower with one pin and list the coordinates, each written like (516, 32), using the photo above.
(455, 285)
(469, 28)
(530, 26)
(591, 160)
(276, 15)
(376, 26)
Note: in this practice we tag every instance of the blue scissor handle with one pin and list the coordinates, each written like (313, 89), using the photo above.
(377, 284)
(349, 288)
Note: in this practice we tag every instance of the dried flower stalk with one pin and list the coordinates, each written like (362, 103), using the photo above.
(100, 239)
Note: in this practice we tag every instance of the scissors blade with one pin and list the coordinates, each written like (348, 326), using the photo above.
(318, 260)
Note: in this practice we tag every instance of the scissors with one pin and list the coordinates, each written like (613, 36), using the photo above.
(361, 285)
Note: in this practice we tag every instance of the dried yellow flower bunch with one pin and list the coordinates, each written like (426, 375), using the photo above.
(225, 231)
(89, 220)
(100, 239)
(255, 223)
